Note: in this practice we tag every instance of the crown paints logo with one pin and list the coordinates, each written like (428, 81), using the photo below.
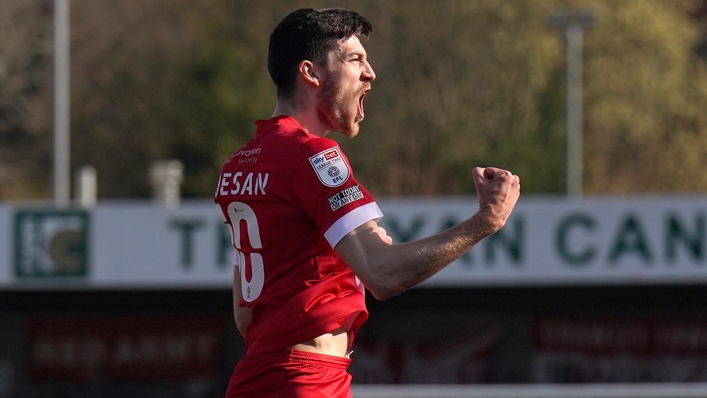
(51, 243)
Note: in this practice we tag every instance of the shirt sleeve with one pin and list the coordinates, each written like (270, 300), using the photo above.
(350, 221)
(332, 197)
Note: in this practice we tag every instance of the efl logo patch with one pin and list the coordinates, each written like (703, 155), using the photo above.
(331, 168)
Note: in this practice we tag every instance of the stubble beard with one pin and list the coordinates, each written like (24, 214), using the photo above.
(335, 110)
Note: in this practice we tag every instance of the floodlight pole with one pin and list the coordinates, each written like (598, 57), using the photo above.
(62, 138)
(573, 23)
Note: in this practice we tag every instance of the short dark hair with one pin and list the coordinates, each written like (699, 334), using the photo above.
(309, 34)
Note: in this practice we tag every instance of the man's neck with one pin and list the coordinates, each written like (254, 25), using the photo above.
(305, 114)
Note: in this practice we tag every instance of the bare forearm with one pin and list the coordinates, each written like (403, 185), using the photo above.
(408, 264)
(388, 269)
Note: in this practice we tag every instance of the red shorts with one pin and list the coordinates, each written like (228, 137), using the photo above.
(290, 374)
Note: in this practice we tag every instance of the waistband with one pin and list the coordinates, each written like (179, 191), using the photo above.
(305, 357)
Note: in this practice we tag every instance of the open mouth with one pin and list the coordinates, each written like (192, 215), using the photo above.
(360, 103)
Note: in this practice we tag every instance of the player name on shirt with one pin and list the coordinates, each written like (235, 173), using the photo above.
(239, 184)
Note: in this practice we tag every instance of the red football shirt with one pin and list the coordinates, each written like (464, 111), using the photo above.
(288, 198)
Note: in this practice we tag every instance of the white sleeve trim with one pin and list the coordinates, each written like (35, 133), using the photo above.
(350, 221)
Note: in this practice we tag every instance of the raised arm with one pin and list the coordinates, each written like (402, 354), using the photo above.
(389, 269)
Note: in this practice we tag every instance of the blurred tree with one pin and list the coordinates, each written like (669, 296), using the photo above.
(25, 98)
(699, 14)
(646, 95)
(129, 83)
(163, 80)
(460, 83)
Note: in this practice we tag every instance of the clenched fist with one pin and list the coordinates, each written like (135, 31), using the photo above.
(498, 191)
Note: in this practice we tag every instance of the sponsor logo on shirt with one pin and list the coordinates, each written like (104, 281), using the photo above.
(247, 155)
(345, 197)
(247, 152)
(330, 166)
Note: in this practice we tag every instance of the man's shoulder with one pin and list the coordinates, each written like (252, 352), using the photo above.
(286, 130)
(298, 142)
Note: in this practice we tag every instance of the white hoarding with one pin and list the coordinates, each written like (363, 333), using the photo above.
(547, 241)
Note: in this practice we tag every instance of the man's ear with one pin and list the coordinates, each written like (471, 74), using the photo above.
(308, 72)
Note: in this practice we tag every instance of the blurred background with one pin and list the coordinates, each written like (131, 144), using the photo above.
(161, 92)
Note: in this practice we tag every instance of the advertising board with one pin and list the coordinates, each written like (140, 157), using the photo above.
(547, 241)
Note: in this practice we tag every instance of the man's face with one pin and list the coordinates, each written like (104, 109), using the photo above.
(347, 79)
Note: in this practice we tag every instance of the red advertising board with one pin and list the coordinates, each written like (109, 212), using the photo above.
(125, 347)
(629, 349)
